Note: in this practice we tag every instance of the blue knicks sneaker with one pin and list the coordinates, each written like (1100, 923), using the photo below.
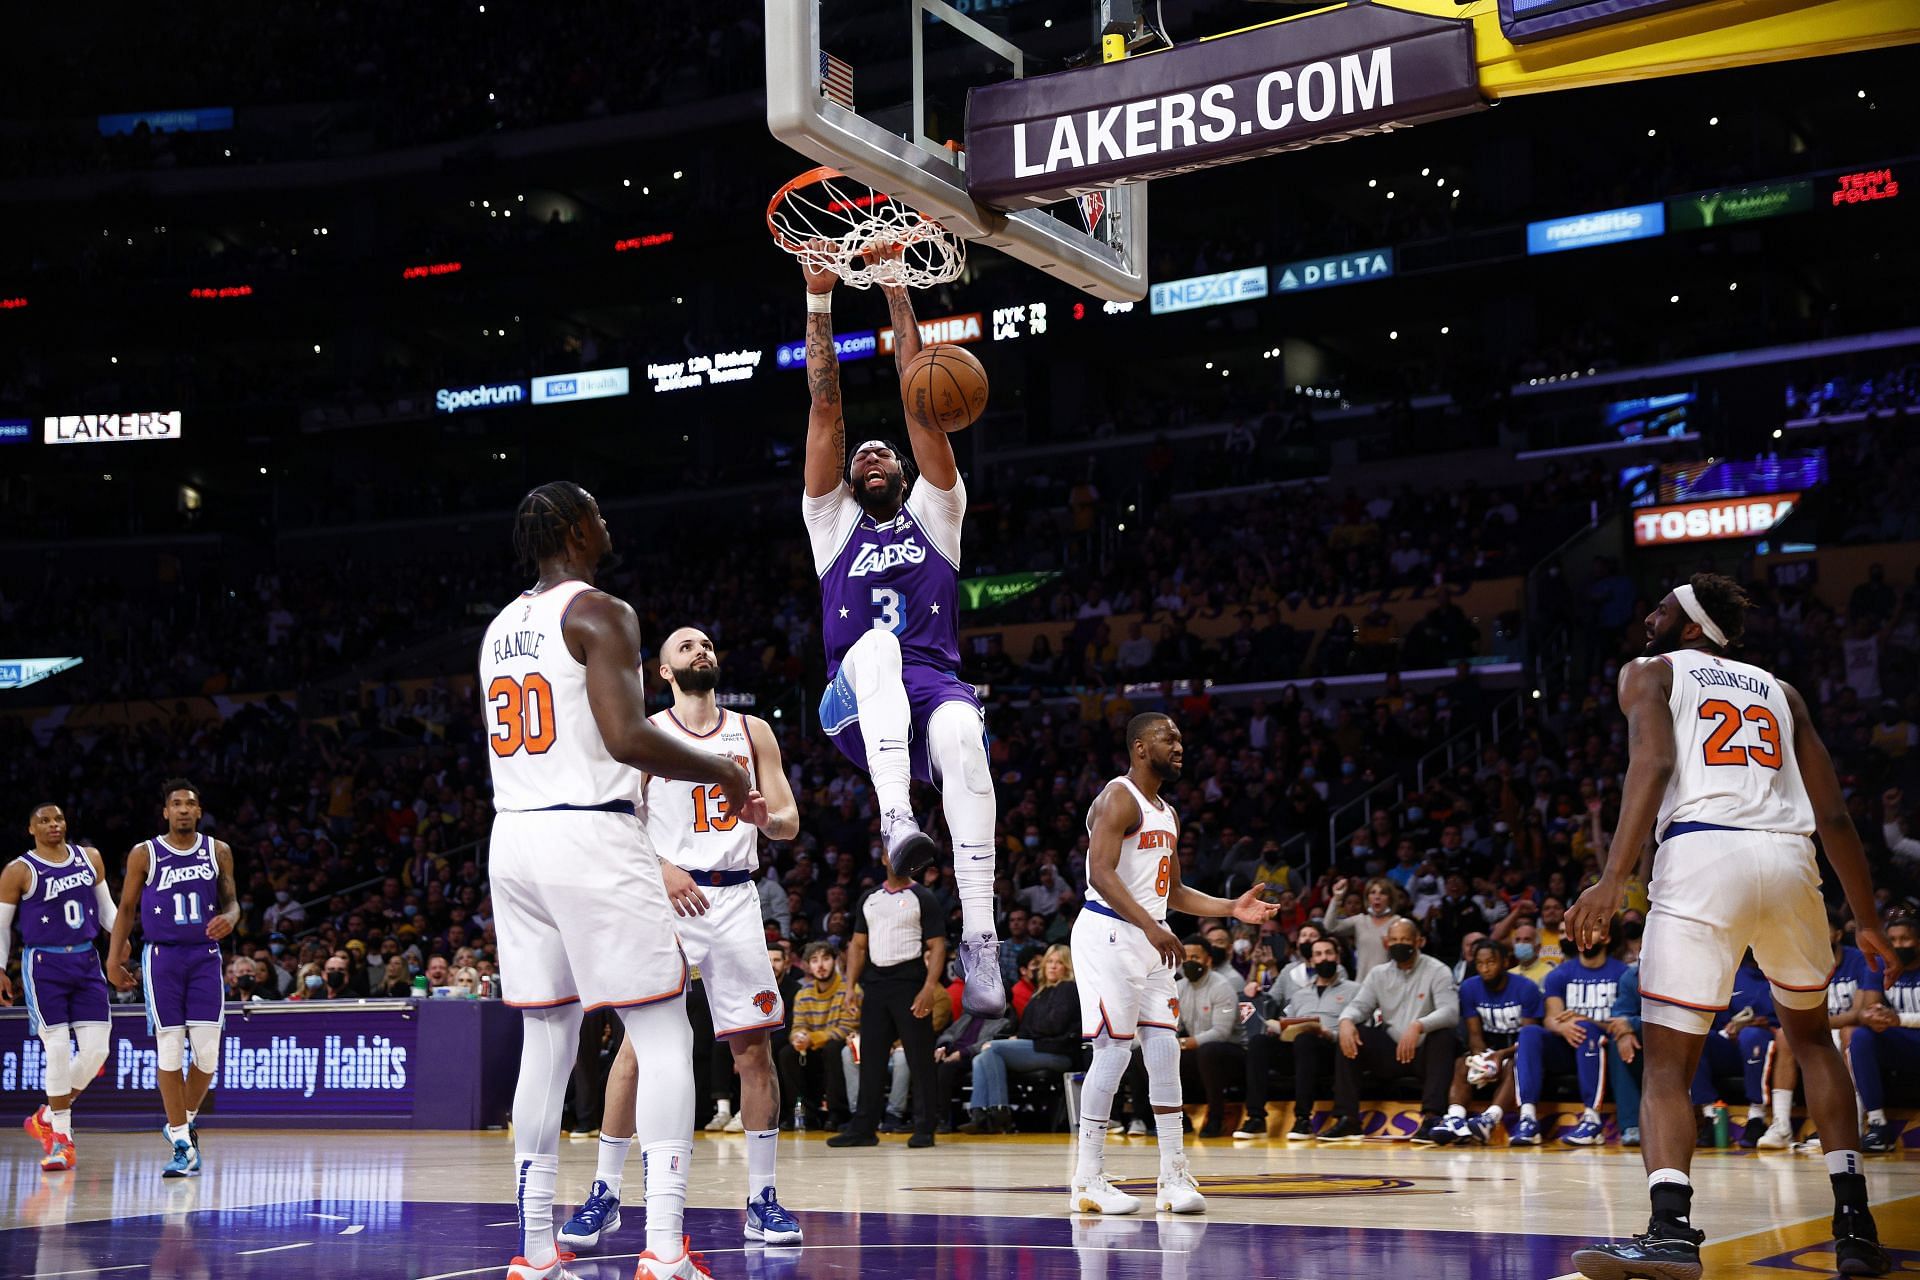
(1526, 1133)
(598, 1216)
(768, 1222)
(1480, 1128)
(1589, 1132)
(185, 1162)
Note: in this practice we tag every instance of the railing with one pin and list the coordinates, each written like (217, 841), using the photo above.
(1474, 739)
(321, 901)
(1365, 802)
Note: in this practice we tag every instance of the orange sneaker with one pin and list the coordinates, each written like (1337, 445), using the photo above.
(59, 1156)
(40, 1129)
(687, 1266)
(521, 1269)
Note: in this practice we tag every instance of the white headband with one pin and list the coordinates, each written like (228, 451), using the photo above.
(1691, 603)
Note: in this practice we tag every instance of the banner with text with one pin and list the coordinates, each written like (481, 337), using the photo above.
(1711, 519)
(112, 428)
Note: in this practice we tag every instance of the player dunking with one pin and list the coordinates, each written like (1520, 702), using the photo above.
(1726, 767)
(886, 548)
(580, 907)
(693, 830)
(63, 890)
(179, 890)
(1124, 958)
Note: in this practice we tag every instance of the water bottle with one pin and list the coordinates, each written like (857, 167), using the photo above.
(420, 986)
(799, 1115)
(1720, 1135)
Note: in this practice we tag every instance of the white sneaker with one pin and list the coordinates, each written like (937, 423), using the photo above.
(1138, 1129)
(1778, 1137)
(719, 1122)
(1098, 1195)
(1177, 1192)
(734, 1125)
(1811, 1147)
(688, 1266)
(521, 1269)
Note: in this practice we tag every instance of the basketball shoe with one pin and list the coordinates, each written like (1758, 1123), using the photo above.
(909, 849)
(59, 1156)
(521, 1269)
(986, 992)
(769, 1222)
(1177, 1192)
(598, 1216)
(39, 1128)
(185, 1162)
(1665, 1251)
(1098, 1195)
(1526, 1133)
(688, 1266)
(1588, 1133)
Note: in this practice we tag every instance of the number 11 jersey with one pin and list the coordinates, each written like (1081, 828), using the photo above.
(1734, 764)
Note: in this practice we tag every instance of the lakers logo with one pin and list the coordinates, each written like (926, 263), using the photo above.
(765, 1001)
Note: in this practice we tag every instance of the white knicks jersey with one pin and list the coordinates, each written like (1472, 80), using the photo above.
(689, 823)
(547, 749)
(1733, 737)
(1146, 854)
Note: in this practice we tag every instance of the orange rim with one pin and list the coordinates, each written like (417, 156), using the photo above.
(819, 173)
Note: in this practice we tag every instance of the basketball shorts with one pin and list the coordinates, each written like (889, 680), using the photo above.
(184, 985)
(1716, 893)
(728, 945)
(1122, 981)
(927, 690)
(63, 986)
(581, 912)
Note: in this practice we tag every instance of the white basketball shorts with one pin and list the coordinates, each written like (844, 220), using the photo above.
(581, 912)
(1716, 893)
(728, 945)
(1123, 982)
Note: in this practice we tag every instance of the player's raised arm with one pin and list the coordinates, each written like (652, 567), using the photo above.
(1645, 685)
(1837, 834)
(1114, 814)
(121, 943)
(783, 812)
(932, 451)
(826, 426)
(604, 634)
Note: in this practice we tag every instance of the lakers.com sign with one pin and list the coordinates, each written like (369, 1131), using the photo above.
(112, 428)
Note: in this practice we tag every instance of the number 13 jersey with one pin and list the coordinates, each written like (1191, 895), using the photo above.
(546, 748)
(1733, 737)
(689, 823)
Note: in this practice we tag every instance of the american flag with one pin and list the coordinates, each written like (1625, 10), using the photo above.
(836, 80)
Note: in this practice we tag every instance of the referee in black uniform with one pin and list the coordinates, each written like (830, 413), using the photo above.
(894, 963)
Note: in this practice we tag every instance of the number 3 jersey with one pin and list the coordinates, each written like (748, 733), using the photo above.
(1733, 736)
(546, 750)
(689, 823)
(182, 891)
(901, 574)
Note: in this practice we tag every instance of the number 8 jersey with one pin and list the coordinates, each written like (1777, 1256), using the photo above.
(1146, 854)
(1733, 736)
(546, 749)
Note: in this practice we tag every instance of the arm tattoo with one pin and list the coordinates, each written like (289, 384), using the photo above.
(900, 309)
(823, 366)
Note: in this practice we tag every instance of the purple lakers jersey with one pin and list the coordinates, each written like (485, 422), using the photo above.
(182, 892)
(902, 574)
(59, 909)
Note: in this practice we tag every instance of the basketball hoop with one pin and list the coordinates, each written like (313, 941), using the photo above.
(830, 221)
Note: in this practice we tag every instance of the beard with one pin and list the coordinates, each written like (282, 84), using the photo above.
(884, 501)
(696, 679)
(1666, 641)
(1165, 770)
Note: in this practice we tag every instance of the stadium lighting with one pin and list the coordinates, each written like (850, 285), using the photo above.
(263, 471)
(1393, 335)
(676, 175)
(1861, 94)
(1652, 133)
(1776, 433)
(1456, 193)
(1674, 298)
(1389, 195)
(1372, 183)
(1209, 364)
(1713, 120)
(1732, 285)
(1445, 328)
(1048, 24)
(113, 359)
(1426, 173)
(486, 204)
(316, 348)
(626, 182)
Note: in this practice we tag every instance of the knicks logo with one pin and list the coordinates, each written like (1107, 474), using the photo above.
(1173, 1006)
(765, 1002)
(878, 559)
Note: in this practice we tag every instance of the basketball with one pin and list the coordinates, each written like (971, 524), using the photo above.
(945, 388)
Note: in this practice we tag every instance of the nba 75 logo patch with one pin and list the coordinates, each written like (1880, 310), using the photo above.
(764, 1002)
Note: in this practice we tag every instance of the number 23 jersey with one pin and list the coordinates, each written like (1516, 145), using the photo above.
(1734, 764)
(902, 575)
(546, 749)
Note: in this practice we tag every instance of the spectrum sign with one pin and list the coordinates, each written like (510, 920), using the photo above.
(588, 384)
(486, 395)
(1711, 519)
(1586, 230)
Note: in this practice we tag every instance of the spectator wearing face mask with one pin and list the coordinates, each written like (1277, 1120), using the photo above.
(242, 980)
(1527, 960)
(1420, 1009)
(334, 978)
(309, 983)
(1210, 1050)
(1304, 1028)
(1579, 996)
(284, 915)
(1367, 933)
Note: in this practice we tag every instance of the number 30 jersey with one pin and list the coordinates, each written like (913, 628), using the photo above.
(689, 823)
(1733, 736)
(1146, 854)
(902, 574)
(546, 749)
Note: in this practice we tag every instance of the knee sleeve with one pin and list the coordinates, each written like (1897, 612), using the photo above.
(92, 1038)
(59, 1069)
(170, 1048)
(663, 1044)
(549, 1042)
(873, 658)
(957, 747)
(1160, 1048)
(1110, 1059)
(206, 1048)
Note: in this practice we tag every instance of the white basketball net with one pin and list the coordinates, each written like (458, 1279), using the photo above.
(835, 223)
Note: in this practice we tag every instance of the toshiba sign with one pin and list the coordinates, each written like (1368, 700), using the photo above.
(1711, 519)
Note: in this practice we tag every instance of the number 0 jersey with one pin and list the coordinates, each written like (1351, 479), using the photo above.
(546, 748)
(688, 822)
(1733, 735)
(58, 908)
(1146, 854)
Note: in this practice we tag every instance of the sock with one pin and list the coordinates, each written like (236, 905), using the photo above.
(974, 880)
(1456, 1111)
(1841, 1163)
(665, 1170)
(177, 1133)
(1671, 1193)
(1590, 1116)
(62, 1122)
(534, 1176)
(1706, 1112)
(723, 1107)
(1755, 1111)
(1876, 1116)
(1783, 1107)
(1526, 1111)
(1093, 1150)
(612, 1168)
(1493, 1113)
(1171, 1134)
(762, 1150)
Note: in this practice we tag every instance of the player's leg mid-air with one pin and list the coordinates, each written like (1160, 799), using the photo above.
(885, 530)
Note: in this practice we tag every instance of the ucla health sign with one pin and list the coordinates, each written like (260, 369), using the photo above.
(588, 384)
(487, 395)
(1609, 226)
(848, 346)
(18, 673)
(1324, 273)
(1209, 291)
